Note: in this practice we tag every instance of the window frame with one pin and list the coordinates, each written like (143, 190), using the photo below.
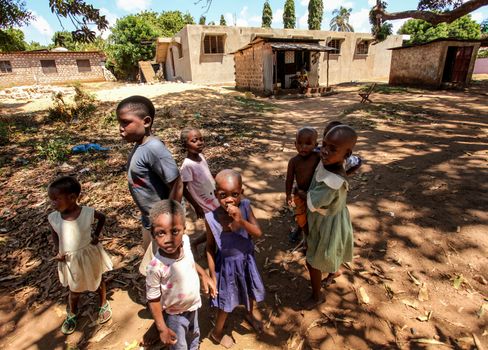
(48, 69)
(84, 68)
(360, 44)
(337, 50)
(5, 66)
(214, 39)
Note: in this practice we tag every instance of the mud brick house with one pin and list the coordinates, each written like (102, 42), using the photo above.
(48, 67)
(438, 63)
(204, 54)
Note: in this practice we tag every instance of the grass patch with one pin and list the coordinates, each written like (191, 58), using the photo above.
(256, 105)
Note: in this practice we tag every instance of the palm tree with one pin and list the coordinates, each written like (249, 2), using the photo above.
(340, 21)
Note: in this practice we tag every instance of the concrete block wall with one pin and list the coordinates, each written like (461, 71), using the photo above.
(26, 68)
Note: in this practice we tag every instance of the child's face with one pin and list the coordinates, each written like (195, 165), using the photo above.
(132, 128)
(194, 142)
(61, 201)
(305, 143)
(334, 150)
(228, 191)
(168, 231)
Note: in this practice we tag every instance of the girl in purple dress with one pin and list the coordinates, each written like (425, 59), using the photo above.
(230, 254)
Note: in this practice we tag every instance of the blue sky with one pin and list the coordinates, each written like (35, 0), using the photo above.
(236, 12)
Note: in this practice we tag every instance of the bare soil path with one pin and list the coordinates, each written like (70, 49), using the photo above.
(419, 207)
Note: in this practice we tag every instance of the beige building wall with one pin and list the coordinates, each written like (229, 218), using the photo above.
(424, 65)
(199, 67)
(26, 68)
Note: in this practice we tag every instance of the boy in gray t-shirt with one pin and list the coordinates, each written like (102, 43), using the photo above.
(151, 170)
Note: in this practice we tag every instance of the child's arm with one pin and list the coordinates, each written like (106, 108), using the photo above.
(193, 202)
(166, 334)
(290, 177)
(210, 249)
(100, 223)
(176, 189)
(207, 282)
(251, 226)
(54, 235)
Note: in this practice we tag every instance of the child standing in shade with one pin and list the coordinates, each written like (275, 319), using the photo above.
(230, 253)
(353, 162)
(330, 237)
(301, 169)
(172, 284)
(198, 182)
(81, 258)
(151, 169)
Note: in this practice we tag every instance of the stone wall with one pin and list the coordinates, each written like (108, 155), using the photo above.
(249, 68)
(26, 67)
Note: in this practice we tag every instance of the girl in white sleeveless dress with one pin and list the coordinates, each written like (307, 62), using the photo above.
(81, 258)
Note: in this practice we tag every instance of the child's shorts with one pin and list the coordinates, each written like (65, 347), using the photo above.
(300, 211)
(185, 325)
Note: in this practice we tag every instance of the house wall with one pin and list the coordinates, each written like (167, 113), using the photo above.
(424, 65)
(26, 68)
(249, 67)
(481, 66)
(219, 68)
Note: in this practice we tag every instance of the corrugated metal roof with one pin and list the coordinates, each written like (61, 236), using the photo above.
(300, 46)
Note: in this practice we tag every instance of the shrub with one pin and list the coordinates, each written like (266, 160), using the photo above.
(83, 106)
(4, 133)
(54, 150)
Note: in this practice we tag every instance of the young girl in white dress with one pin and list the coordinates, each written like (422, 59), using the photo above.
(81, 258)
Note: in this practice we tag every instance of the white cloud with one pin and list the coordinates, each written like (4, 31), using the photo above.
(331, 5)
(478, 16)
(277, 18)
(41, 25)
(397, 23)
(303, 21)
(360, 21)
(243, 20)
(304, 2)
(133, 5)
(371, 3)
(111, 19)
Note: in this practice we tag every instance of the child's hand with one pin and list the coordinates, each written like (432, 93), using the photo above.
(94, 240)
(167, 336)
(60, 257)
(200, 212)
(289, 201)
(209, 286)
(235, 213)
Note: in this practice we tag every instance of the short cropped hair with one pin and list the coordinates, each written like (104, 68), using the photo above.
(345, 131)
(228, 173)
(184, 135)
(167, 206)
(139, 105)
(307, 130)
(66, 185)
(331, 124)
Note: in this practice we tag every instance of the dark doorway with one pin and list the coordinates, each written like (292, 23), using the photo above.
(457, 64)
(284, 71)
(280, 67)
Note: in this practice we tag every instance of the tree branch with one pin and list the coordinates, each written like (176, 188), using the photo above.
(430, 16)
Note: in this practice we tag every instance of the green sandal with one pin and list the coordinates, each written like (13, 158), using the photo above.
(69, 324)
(105, 313)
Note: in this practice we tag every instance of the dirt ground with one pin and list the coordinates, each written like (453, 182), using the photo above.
(419, 207)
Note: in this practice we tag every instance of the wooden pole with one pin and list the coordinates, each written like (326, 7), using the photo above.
(327, 87)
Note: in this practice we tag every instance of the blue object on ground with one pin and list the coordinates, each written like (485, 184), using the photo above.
(95, 147)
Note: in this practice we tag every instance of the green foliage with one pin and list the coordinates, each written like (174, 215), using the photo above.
(340, 21)
(222, 20)
(267, 17)
(289, 19)
(83, 106)
(484, 26)
(13, 13)
(34, 45)
(482, 54)
(202, 20)
(422, 31)
(65, 39)
(315, 13)
(54, 150)
(4, 133)
(385, 30)
(133, 37)
(110, 119)
(12, 40)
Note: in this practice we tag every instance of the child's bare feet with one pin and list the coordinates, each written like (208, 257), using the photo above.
(226, 341)
(330, 279)
(312, 302)
(254, 322)
(151, 336)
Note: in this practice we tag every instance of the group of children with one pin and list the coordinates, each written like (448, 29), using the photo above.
(172, 275)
